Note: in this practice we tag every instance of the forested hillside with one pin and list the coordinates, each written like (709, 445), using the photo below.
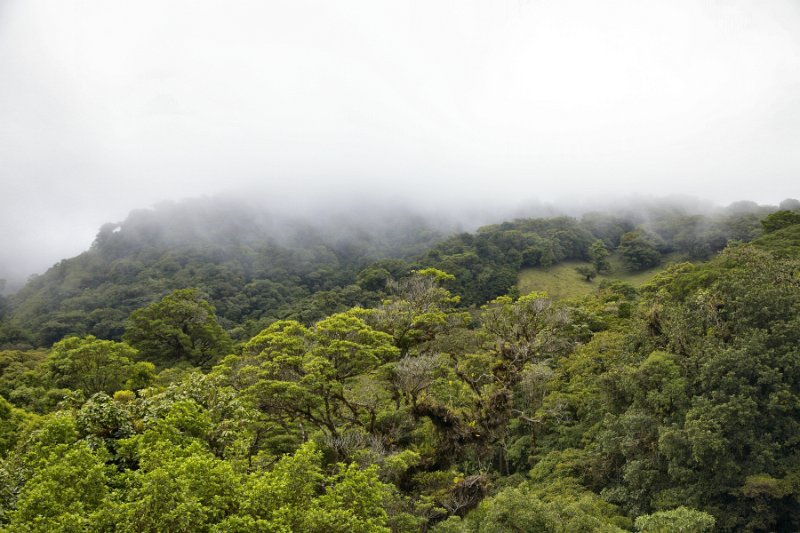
(255, 268)
(252, 266)
(238, 374)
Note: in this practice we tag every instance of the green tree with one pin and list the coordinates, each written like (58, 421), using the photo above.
(374, 278)
(419, 309)
(291, 372)
(588, 272)
(24, 378)
(779, 220)
(680, 520)
(180, 327)
(94, 365)
(511, 510)
(105, 419)
(718, 374)
(185, 491)
(638, 250)
(11, 422)
(599, 255)
(296, 495)
(63, 491)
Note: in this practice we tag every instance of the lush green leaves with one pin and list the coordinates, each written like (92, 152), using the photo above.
(180, 327)
(674, 407)
(681, 520)
(639, 250)
(93, 365)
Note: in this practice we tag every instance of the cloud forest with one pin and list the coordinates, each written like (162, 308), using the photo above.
(201, 368)
(440, 266)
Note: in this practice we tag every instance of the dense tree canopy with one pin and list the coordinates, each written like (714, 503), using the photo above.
(180, 327)
(671, 407)
(91, 365)
(255, 269)
(639, 250)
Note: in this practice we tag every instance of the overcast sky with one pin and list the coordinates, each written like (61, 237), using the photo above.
(107, 106)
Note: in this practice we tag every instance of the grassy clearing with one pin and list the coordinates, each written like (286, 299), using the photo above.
(561, 281)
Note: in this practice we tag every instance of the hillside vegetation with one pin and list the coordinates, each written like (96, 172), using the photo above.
(563, 281)
(255, 268)
(671, 406)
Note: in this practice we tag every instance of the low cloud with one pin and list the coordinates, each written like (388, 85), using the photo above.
(106, 107)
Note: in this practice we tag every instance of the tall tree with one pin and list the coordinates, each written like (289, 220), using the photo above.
(94, 365)
(599, 255)
(638, 250)
(180, 327)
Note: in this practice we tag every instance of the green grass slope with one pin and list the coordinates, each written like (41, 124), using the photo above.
(561, 281)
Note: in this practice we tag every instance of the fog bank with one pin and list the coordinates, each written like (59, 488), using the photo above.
(469, 107)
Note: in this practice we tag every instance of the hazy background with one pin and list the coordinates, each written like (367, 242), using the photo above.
(107, 106)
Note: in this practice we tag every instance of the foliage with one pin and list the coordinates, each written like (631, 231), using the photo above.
(11, 421)
(678, 520)
(779, 220)
(672, 407)
(598, 253)
(586, 271)
(63, 492)
(782, 242)
(93, 365)
(180, 327)
(253, 267)
(639, 250)
(23, 379)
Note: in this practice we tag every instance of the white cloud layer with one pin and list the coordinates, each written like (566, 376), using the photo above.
(106, 106)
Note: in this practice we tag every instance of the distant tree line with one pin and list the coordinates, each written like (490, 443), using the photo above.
(255, 271)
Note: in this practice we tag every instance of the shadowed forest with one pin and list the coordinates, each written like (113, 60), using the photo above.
(209, 367)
